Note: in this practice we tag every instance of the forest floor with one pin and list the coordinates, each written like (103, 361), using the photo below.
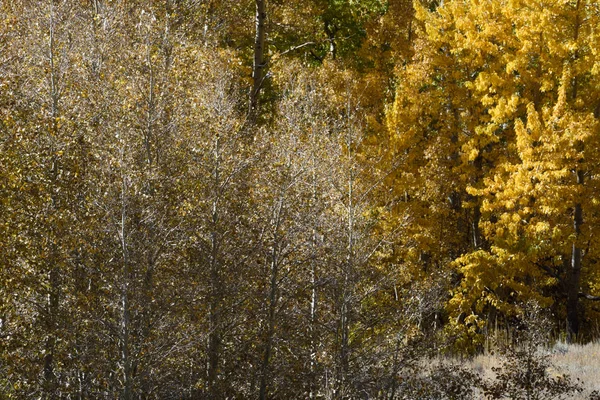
(580, 362)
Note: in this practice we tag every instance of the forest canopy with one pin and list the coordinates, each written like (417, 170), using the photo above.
(289, 199)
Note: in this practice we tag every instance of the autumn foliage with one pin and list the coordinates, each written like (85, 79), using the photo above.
(226, 199)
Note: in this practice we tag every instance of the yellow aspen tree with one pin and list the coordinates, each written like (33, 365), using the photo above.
(547, 80)
(442, 139)
(480, 67)
(540, 214)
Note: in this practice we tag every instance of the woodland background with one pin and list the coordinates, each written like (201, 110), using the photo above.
(289, 199)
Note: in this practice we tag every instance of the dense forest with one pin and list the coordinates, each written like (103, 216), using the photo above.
(289, 199)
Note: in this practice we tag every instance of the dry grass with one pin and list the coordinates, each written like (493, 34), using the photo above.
(579, 361)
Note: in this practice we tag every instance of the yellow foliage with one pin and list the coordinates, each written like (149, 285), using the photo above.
(492, 120)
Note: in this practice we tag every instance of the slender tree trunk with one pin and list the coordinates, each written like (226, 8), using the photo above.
(574, 276)
(151, 104)
(575, 271)
(125, 318)
(270, 324)
(344, 355)
(395, 368)
(313, 331)
(214, 336)
(51, 322)
(54, 274)
(273, 291)
(330, 32)
(259, 66)
(314, 294)
(477, 240)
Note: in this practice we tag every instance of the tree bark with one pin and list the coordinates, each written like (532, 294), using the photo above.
(270, 323)
(52, 305)
(125, 318)
(575, 271)
(259, 66)
(51, 322)
(313, 283)
(477, 240)
(347, 289)
(214, 336)
(574, 276)
(330, 32)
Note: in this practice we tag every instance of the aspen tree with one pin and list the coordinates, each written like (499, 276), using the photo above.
(479, 68)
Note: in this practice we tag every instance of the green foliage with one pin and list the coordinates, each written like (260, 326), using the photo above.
(344, 23)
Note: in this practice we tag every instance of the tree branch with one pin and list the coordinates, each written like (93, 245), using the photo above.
(589, 296)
